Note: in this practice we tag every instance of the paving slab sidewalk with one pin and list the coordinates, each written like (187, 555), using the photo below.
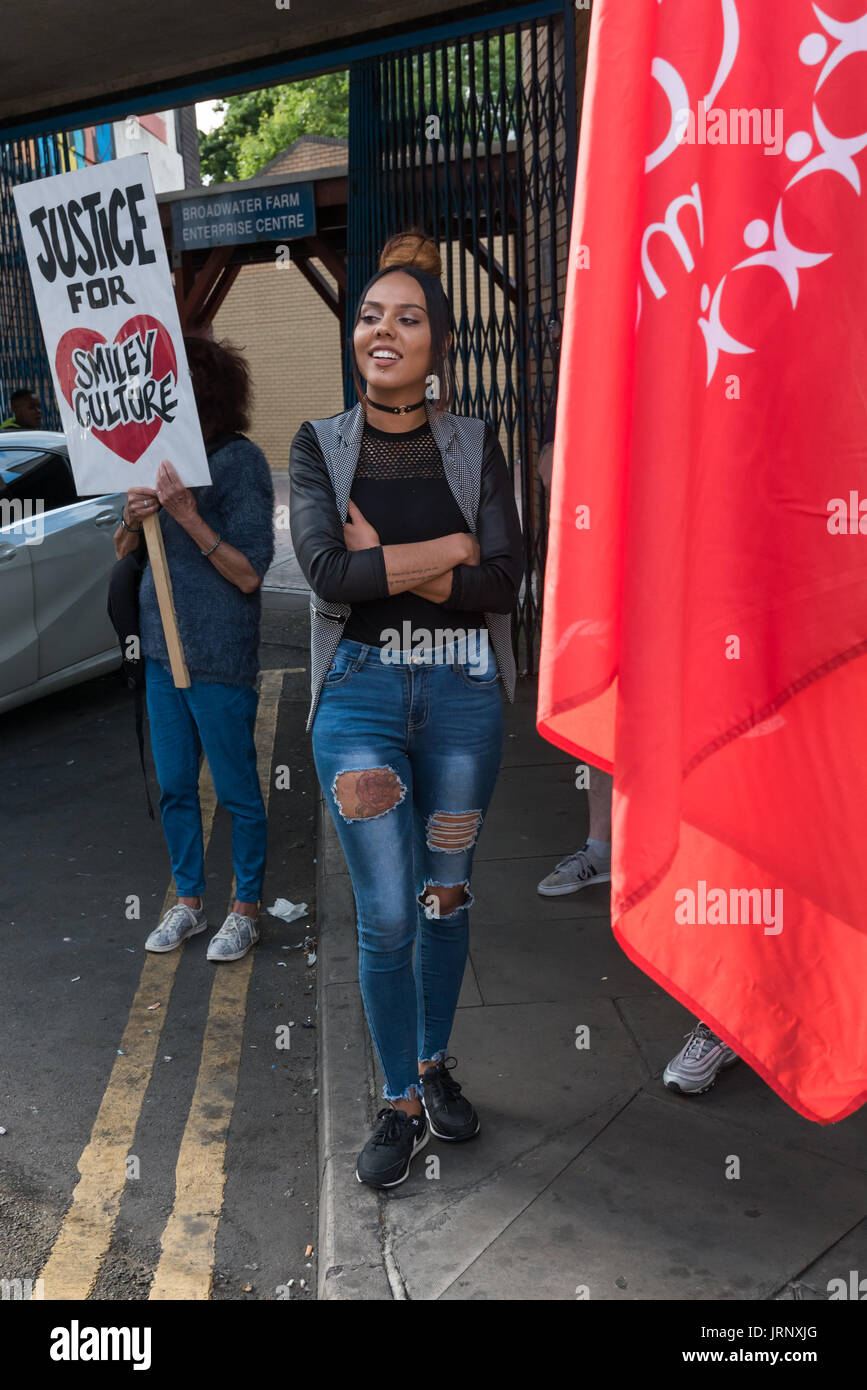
(588, 1178)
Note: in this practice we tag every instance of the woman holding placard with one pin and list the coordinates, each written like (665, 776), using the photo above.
(219, 541)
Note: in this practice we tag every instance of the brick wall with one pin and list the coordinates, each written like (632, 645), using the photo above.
(292, 340)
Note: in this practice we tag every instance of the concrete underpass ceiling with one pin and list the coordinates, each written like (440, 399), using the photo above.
(66, 64)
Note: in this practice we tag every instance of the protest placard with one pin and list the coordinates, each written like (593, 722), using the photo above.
(103, 290)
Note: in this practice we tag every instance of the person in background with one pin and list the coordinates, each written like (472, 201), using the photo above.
(592, 862)
(703, 1056)
(26, 411)
(219, 542)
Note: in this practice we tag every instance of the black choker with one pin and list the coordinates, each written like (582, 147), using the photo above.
(396, 409)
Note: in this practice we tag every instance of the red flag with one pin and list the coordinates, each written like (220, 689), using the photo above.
(705, 632)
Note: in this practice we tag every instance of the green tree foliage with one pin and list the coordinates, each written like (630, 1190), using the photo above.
(258, 125)
(501, 64)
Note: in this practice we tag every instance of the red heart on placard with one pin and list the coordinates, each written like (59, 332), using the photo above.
(129, 439)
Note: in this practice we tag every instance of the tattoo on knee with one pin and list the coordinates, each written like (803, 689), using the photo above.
(369, 793)
(452, 832)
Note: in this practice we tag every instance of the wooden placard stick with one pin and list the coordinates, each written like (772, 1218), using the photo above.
(165, 599)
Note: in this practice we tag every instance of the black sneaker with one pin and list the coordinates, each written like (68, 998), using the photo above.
(449, 1114)
(384, 1161)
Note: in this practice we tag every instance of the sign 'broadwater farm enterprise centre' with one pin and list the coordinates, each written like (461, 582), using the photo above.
(242, 215)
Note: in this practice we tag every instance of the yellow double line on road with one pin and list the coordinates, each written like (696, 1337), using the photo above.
(185, 1269)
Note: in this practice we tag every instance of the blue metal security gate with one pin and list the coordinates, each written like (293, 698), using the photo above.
(474, 139)
(22, 352)
(471, 136)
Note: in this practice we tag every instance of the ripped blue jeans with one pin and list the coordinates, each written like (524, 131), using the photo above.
(407, 754)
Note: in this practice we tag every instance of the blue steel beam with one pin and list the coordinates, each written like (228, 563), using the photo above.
(229, 81)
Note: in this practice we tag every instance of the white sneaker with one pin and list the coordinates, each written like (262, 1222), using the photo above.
(234, 939)
(179, 922)
(576, 871)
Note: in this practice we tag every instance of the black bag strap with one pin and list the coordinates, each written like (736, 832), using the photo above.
(123, 612)
(138, 701)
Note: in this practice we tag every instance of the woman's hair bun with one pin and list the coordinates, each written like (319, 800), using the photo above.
(411, 248)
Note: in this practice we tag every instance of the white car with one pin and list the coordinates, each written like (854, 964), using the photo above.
(56, 555)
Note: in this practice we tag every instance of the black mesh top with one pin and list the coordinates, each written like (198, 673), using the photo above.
(400, 487)
(410, 455)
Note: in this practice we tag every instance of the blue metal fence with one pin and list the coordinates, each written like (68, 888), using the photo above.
(474, 139)
(22, 351)
(470, 133)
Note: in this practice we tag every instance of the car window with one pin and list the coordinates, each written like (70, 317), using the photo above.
(36, 479)
(13, 461)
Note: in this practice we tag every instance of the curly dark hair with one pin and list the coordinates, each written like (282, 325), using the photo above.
(222, 385)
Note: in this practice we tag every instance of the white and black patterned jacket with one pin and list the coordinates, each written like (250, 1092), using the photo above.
(322, 465)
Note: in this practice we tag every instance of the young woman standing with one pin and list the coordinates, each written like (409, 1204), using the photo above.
(404, 523)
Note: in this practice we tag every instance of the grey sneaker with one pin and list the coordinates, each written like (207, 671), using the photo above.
(697, 1064)
(234, 939)
(179, 922)
(574, 872)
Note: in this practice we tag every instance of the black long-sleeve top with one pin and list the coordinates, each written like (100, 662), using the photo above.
(401, 489)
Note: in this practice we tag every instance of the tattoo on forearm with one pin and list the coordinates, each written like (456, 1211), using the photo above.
(424, 573)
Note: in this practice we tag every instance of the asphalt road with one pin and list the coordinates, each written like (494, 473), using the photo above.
(159, 1143)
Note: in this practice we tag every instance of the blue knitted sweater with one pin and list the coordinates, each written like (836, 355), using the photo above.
(219, 626)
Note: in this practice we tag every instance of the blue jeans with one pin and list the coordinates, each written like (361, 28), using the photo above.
(427, 741)
(222, 720)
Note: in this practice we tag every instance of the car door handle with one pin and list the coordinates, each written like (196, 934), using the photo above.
(7, 553)
(106, 519)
